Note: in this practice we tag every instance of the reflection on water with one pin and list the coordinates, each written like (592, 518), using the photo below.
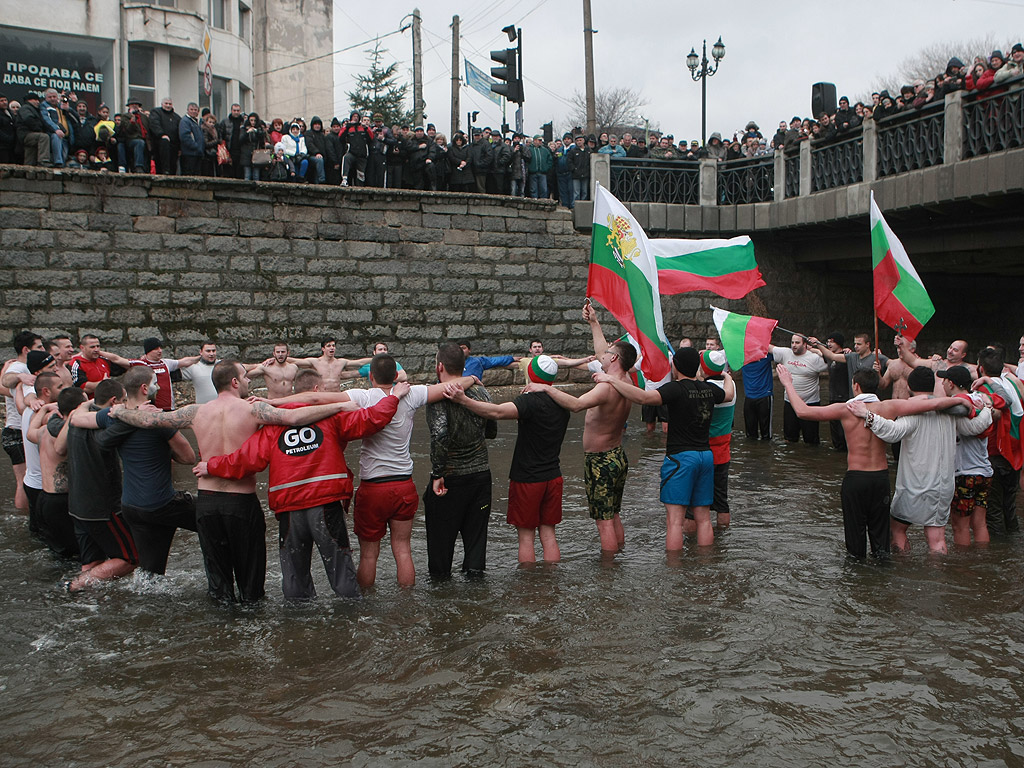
(769, 648)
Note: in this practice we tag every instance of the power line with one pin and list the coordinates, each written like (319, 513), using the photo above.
(332, 53)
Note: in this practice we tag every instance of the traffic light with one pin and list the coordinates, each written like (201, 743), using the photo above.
(511, 86)
(548, 130)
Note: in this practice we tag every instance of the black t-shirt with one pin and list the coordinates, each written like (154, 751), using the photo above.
(542, 425)
(146, 458)
(690, 405)
(94, 476)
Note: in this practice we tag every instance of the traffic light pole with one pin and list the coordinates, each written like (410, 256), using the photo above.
(519, 72)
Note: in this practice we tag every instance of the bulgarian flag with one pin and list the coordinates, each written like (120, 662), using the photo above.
(901, 302)
(724, 267)
(624, 278)
(745, 338)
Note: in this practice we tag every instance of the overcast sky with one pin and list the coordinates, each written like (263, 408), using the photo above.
(774, 51)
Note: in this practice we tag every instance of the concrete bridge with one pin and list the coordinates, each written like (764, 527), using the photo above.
(950, 180)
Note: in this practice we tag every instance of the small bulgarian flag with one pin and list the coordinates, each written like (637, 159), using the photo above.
(635, 373)
(624, 278)
(745, 338)
(724, 267)
(901, 301)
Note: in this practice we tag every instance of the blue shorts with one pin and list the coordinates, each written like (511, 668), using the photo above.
(688, 479)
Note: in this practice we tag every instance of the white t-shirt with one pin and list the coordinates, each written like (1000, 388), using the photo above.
(387, 452)
(201, 376)
(33, 471)
(13, 417)
(806, 369)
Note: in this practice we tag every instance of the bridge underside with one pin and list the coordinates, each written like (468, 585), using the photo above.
(975, 236)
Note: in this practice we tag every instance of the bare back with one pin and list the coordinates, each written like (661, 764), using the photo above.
(865, 451)
(279, 378)
(221, 426)
(54, 468)
(602, 428)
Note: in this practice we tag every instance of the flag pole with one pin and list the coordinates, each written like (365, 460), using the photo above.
(876, 336)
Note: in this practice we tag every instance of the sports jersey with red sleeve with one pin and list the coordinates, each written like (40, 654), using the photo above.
(83, 371)
(162, 368)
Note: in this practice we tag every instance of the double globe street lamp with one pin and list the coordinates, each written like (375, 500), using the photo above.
(693, 61)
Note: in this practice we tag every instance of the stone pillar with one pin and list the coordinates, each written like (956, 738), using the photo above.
(870, 149)
(600, 173)
(805, 167)
(708, 181)
(953, 141)
(780, 174)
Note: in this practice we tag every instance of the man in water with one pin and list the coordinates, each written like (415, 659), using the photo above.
(805, 368)
(277, 372)
(604, 461)
(535, 477)
(229, 517)
(687, 474)
(201, 374)
(331, 369)
(925, 478)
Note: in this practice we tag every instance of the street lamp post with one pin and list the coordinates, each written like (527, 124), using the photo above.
(702, 74)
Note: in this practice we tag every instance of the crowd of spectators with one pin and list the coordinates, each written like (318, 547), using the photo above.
(56, 129)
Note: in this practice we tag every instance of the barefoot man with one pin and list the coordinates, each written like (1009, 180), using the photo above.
(229, 518)
(604, 461)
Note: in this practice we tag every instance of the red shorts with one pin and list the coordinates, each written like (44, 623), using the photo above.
(377, 503)
(534, 504)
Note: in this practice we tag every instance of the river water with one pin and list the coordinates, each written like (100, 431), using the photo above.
(768, 649)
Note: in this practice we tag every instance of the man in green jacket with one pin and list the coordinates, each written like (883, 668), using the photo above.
(541, 161)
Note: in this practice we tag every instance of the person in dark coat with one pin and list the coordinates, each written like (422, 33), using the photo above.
(316, 145)
(8, 131)
(396, 154)
(415, 167)
(163, 135)
(437, 165)
(254, 136)
(32, 132)
(230, 132)
(461, 176)
(481, 160)
(357, 136)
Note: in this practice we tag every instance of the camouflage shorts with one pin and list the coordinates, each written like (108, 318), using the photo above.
(604, 475)
(971, 491)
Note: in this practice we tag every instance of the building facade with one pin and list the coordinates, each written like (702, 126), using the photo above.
(207, 51)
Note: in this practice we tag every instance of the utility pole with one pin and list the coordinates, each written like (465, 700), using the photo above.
(456, 106)
(417, 69)
(588, 56)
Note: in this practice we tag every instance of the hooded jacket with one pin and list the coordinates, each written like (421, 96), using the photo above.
(307, 464)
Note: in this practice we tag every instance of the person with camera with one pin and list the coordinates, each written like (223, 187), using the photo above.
(131, 136)
(60, 124)
(357, 137)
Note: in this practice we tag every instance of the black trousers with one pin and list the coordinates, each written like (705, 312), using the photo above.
(793, 427)
(191, 166)
(757, 417)
(865, 498)
(56, 526)
(1001, 515)
(33, 508)
(153, 529)
(233, 536)
(465, 510)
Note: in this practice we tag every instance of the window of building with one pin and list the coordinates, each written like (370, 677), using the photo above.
(216, 15)
(141, 82)
(168, 3)
(245, 99)
(244, 23)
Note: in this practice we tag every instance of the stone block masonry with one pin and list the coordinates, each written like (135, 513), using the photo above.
(186, 259)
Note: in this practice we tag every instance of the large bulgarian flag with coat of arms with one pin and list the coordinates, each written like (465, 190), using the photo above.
(624, 278)
(901, 301)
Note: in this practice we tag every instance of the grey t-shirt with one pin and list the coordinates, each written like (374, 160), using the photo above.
(856, 363)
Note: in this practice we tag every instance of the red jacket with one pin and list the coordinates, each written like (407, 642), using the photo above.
(307, 464)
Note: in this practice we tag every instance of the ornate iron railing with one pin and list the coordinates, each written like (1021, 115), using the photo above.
(837, 163)
(907, 142)
(993, 122)
(746, 181)
(635, 180)
(792, 174)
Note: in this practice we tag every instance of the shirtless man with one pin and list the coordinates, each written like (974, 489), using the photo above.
(865, 492)
(55, 525)
(62, 350)
(897, 371)
(229, 518)
(278, 373)
(331, 369)
(605, 463)
(956, 354)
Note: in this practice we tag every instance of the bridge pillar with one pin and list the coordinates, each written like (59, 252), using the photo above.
(780, 175)
(805, 168)
(953, 140)
(870, 149)
(600, 173)
(708, 181)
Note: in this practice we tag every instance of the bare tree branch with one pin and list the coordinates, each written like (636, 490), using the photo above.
(616, 110)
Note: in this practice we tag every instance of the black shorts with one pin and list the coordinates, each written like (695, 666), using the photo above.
(652, 414)
(104, 540)
(13, 446)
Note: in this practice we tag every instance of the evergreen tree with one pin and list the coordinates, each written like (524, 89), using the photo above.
(380, 91)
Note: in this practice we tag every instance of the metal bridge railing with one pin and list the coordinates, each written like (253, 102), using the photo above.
(746, 181)
(641, 180)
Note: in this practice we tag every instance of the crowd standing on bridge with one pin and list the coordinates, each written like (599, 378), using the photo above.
(92, 454)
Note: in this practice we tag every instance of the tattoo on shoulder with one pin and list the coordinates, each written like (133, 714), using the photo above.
(265, 413)
(178, 419)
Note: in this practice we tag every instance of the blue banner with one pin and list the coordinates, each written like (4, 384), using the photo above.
(481, 82)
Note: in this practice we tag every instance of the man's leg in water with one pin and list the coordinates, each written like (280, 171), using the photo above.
(935, 535)
(331, 536)
(961, 528)
(549, 544)
(674, 516)
(899, 535)
(401, 548)
(527, 554)
(369, 551)
(613, 537)
(979, 524)
(705, 533)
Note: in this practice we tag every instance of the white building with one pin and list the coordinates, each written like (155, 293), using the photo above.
(110, 50)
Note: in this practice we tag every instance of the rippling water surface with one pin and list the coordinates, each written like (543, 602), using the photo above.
(768, 649)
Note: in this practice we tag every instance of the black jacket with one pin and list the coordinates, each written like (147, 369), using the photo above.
(579, 161)
(8, 132)
(357, 139)
(418, 149)
(30, 120)
(163, 123)
(316, 143)
(501, 155)
(396, 150)
(85, 134)
(480, 157)
(230, 131)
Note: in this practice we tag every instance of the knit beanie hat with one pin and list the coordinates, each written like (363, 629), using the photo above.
(712, 362)
(542, 369)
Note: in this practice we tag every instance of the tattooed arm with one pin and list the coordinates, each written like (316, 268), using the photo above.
(265, 413)
(178, 419)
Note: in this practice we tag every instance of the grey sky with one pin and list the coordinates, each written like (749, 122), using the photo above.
(774, 51)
